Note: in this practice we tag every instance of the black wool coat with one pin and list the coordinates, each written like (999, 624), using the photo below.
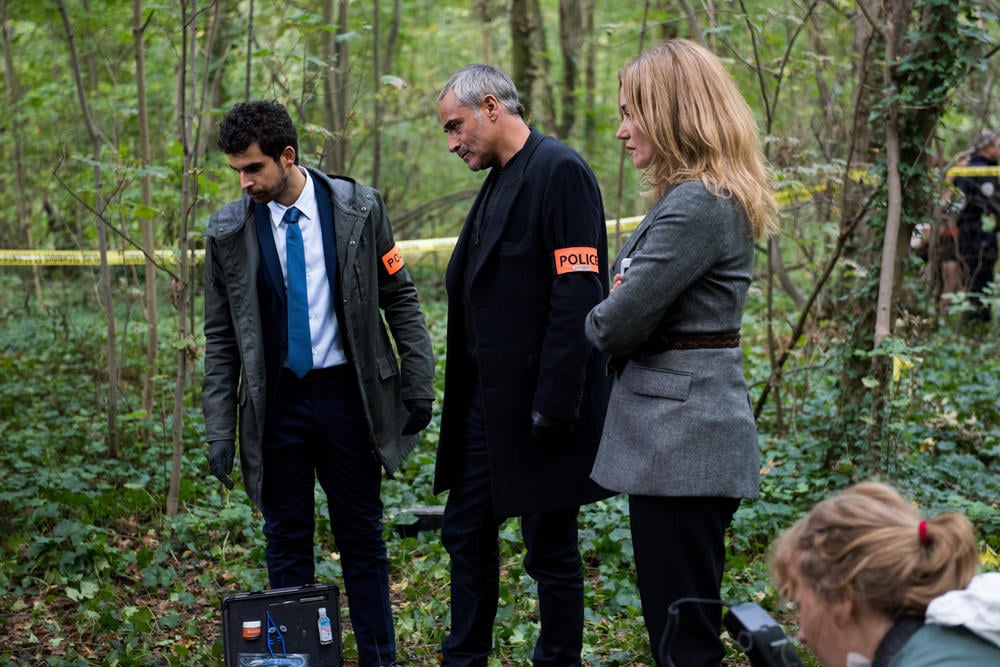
(542, 265)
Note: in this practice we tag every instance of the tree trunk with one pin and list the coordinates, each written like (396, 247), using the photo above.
(571, 37)
(890, 244)
(775, 264)
(522, 52)
(887, 277)
(388, 60)
(377, 89)
(530, 62)
(543, 78)
(148, 235)
(22, 199)
(884, 306)
(697, 34)
(249, 54)
(620, 190)
(189, 9)
(487, 10)
(102, 237)
(938, 53)
(216, 48)
(335, 85)
(590, 77)
(861, 297)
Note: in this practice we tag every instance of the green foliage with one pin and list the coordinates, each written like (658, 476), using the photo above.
(94, 573)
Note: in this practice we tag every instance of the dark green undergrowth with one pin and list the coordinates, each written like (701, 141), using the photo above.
(94, 573)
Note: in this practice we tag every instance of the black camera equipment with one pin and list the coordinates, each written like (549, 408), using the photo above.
(753, 629)
(760, 636)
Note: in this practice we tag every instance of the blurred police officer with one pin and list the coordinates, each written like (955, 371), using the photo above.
(977, 236)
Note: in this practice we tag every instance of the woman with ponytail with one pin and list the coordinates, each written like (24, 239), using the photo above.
(878, 585)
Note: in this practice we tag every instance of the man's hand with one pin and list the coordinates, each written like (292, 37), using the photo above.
(420, 415)
(220, 460)
(548, 431)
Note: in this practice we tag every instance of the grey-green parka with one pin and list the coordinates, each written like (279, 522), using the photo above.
(235, 385)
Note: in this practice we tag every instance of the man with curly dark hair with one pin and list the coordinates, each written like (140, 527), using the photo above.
(298, 275)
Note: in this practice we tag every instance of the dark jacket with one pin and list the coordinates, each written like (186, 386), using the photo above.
(982, 198)
(531, 352)
(244, 350)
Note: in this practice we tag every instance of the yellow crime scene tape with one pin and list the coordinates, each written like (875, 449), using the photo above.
(80, 257)
(973, 171)
(134, 257)
(789, 194)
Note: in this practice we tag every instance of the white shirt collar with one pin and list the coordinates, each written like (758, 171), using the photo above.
(306, 203)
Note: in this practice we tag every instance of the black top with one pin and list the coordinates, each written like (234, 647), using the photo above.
(894, 640)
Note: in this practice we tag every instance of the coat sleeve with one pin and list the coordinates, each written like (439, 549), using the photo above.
(575, 243)
(397, 297)
(680, 245)
(222, 358)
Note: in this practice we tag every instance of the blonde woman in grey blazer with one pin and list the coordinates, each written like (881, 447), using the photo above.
(679, 436)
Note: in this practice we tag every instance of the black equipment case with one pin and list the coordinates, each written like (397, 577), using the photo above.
(278, 628)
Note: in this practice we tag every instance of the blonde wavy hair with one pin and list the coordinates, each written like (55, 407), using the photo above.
(700, 127)
(867, 543)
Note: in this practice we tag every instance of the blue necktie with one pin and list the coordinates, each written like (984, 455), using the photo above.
(299, 340)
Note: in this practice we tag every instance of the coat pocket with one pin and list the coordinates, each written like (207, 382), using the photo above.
(387, 366)
(656, 382)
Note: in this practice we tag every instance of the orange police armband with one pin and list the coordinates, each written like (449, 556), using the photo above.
(392, 260)
(573, 260)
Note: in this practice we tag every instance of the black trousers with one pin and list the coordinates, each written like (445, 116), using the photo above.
(979, 257)
(470, 533)
(317, 430)
(680, 552)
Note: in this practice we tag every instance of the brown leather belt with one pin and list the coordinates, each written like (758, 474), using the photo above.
(664, 342)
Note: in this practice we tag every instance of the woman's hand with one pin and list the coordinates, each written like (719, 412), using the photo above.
(615, 282)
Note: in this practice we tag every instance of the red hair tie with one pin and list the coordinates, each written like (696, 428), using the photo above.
(922, 528)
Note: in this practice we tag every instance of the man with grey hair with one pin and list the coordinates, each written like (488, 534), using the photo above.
(525, 393)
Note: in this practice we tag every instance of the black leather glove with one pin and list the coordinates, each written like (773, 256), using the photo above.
(220, 459)
(548, 431)
(420, 415)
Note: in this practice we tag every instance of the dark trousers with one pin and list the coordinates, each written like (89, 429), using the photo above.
(470, 533)
(317, 430)
(680, 552)
(979, 255)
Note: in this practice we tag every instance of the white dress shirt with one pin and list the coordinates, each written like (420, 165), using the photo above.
(324, 329)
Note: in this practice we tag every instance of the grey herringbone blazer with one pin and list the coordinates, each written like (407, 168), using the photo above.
(679, 422)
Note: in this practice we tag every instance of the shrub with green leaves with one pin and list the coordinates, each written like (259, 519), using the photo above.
(93, 572)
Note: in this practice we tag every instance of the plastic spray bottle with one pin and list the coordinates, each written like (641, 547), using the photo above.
(325, 629)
